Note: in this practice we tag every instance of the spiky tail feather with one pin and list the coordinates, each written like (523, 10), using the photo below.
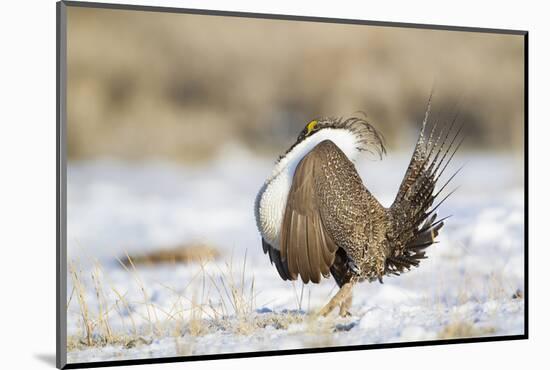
(414, 221)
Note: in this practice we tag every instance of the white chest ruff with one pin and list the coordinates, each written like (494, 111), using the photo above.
(270, 202)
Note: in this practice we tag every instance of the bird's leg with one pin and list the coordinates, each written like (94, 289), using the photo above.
(341, 299)
(346, 305)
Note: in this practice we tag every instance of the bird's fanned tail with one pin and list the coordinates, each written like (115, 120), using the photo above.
(414, 223)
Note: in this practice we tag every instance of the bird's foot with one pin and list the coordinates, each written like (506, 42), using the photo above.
(346, 305)
(344, 313)
(329, 307)
(341, 299)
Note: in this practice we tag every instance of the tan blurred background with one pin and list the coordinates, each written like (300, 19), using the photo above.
(179, 87)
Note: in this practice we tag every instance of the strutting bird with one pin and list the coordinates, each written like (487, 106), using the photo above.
(317, 219)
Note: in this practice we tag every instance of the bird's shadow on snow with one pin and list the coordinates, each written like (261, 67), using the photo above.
(266, 310)
(346, 326)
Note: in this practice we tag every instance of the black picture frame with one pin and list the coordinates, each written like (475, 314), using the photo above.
(61, 186)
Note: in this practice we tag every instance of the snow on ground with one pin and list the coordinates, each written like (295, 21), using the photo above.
(466, 287)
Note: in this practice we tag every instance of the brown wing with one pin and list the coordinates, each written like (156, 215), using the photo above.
(414, 224)
(305, 245)
(327, 199)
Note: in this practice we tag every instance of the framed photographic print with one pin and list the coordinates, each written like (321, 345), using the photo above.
(235, 184)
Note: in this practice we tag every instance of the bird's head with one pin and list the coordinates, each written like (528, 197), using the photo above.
(364, 136)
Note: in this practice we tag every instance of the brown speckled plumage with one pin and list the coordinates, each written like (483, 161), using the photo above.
(353, 217)
(333, 225)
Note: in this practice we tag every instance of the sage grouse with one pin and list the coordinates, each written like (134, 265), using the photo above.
(317, 219)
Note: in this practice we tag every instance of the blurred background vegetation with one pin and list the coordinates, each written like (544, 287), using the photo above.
(180, 87)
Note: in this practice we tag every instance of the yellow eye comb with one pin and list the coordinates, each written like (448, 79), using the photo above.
(311, 126)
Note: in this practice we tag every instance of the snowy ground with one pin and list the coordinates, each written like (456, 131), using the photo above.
(465, 288)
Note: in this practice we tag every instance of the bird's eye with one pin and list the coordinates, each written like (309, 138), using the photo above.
(311, 127)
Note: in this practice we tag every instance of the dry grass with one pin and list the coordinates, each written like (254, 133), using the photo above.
(461, 329)
(180, 254)
(87, 325)
(218, 298)
(221, 300)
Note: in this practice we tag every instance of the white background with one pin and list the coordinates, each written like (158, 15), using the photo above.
(27, 190)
